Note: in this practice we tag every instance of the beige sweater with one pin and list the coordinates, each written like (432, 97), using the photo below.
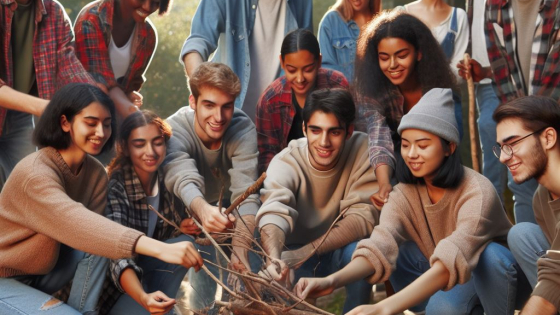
(304, 202)
(44, 204)
(547, 214)
(454, 231)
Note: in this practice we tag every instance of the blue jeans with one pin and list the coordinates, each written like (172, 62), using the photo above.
(493, 288)
(30, 294)
(495, 171)
(157, 275)
(528, 243)
(15, 142)
(357, 293)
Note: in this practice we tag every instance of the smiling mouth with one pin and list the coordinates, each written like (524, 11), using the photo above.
(323, 153)
(415, 165)
(513, 167)
(95, 141)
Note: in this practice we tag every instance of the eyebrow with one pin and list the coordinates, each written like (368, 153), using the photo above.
(289, 65)
(421, 139)
(396, 53)
(330, 129)
(507, 139)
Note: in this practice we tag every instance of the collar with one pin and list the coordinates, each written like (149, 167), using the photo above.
(40, 5)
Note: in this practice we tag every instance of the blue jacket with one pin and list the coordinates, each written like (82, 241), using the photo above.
(224, 26)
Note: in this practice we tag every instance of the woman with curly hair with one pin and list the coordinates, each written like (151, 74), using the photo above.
(398, 61)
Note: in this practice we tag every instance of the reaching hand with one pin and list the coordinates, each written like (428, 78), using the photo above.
(189, 227)
(182, 253)
(381, 197)
(213, 220)
(136, 98)
(278, 270)
(313, 287)
(477, 71)
(293, 257)
(157, 303)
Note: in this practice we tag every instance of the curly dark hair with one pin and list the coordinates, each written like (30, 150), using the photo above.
(432, 71)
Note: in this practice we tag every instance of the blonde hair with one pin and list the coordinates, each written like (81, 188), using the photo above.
(345, 10)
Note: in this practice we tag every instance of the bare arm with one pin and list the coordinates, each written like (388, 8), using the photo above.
(192, 60)
(539, 306)
(156, 302)
(383, 174)
(15, 100)
(273, 239)
(183, 253)
(123, 105)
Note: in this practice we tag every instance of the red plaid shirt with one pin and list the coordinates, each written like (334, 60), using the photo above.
(545, 58)
(93, 34)
(53, 49)
(275, 113)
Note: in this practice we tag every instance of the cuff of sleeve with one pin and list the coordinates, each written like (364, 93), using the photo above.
(548, 290)
(382, 160)
(368, 253)
(128, 243)
(189, 193)
(449, 254)
(276, 220)
(193, 45)
(119, 267)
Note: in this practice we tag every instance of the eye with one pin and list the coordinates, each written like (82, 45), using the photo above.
(159, 142)
(336, 133)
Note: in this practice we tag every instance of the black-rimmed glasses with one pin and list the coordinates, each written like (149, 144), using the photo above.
(508, 148)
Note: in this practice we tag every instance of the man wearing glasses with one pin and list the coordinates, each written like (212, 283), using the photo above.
(528, 144)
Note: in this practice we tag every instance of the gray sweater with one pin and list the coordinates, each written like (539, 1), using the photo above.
(191, 169)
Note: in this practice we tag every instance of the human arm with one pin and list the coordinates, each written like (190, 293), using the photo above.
(461, 42)
(15, 100)
(383, 173)
(242, 241)
(548, 265)
(269, 125)
(273, 238)
(155, 302)
(537, 305)
(380, 143)
(328, 53)
(478, 72)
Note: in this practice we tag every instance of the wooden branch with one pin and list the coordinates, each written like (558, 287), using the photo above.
(472, 117)
(238, 307)
(251, 190)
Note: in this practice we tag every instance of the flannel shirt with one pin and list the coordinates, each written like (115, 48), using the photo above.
(93, 29)
(53, 51)
(127, 204)
(545, 60)
(275, 113)
(380, 119)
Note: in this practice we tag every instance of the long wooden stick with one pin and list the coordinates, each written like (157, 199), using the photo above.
(472, 117)
(251, 190)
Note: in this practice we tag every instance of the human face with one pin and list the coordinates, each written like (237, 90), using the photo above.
(397, 60)
(139, 10)
(213, 113)
(325, 140)
(528, 159)
(423, 153)
(89, 129)
(301, 70)
(359, 5)
(146, 149)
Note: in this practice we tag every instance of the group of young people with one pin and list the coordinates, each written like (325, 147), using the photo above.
(359, 131)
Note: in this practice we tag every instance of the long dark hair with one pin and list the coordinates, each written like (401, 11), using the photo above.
(300, 39)
(432, 71)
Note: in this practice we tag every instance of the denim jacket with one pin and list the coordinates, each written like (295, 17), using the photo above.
(224, 26)
(337, 40)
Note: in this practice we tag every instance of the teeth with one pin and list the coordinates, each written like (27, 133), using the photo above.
(322, 151)
(96, 141)
(142, 14)
(513, 167)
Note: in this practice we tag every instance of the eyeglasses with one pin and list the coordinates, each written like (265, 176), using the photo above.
(508, 148)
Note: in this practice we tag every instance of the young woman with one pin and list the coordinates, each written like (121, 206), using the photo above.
(279, 119)
(50, 206)
(399, 53)
(115, 41)
(339, 31)
(136, 187)
(442, 226)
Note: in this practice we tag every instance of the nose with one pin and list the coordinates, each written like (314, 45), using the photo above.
(146, 5)
(325, 141)
(299, 78)
(412, 152)
(99, 132)
(218, 115)
(149, 150)
(504, 157)
(393, 63)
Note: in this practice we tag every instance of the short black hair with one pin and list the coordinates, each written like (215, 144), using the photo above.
(69, 101)
(300, 39)
(449, 175)
(336, 101)
(164, 7)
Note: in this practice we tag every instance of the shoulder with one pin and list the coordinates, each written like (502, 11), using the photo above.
(293, 156)
(149, 30)
(240, 127)
(358, 141)
(461, 15)
(331, 17)
(179, 120)
(331, 78)
(95, 170)
(274, 92)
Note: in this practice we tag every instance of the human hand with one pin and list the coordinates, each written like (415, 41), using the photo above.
(278, 270)
(314, 287)
(381, 197)
(189, 227)
(293, 257)
(136, 98)
(157, 303)
(211, 218)
(477, 72)
(182, 253)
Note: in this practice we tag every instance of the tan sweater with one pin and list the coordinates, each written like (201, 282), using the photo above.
(454, 231)
(43, 204)
(547, 214)
(304, 202)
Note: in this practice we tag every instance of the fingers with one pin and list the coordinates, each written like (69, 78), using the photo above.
(377, 201)
(215, 221)
(301, 288)
(189, 227)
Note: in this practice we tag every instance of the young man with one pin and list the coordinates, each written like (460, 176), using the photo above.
(37, 58)
(213, 145)
(529, 145)
(309, 184)
(244, 34)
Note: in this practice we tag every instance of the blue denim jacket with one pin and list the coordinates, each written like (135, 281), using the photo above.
(337, 40)
(224, 26)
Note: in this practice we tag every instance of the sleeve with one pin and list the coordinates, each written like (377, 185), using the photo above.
(305, 14)
(207, 24)
(70, 69)
(143, 58)
(92, 49)
(117, 210)
(328, 53)
(180, 171)
(279, 200)
(269, 131)
(382, 247)
(380, 143)
(461, 43)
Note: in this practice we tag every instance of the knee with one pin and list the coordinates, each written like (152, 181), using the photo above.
(439, 305)
(495, 259)
(518, 236)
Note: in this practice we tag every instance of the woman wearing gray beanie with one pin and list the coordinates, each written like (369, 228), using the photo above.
(442, 227)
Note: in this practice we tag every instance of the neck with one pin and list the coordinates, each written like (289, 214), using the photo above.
(435, 193)
(209, 143)
(550, 179)
(121, 16)
(432, 3)
(74, 158)
(148, 180)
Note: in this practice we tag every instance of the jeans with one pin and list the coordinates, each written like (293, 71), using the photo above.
(31, 294)
(157, 275)
(15, 142)
(493, 288)
(495, 171)
(357, 293)
(528, 243)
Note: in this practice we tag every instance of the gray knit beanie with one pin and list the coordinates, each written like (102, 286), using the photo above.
(434, 113)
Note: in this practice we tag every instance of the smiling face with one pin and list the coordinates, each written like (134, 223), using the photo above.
(529, 159)
(146, 149)
(359, 5)
(213, 113)
(423, 153)
(301, 70)
(325, 140)
(397, 60)
(139, 10)
(89, 129)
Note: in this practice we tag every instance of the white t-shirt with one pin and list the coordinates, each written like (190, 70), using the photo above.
(120, 56)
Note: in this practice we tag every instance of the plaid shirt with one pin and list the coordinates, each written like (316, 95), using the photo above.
(93, 34)
(545, 59)
(127, 204)
(53, 50)
(275, 113)
(380, 120)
